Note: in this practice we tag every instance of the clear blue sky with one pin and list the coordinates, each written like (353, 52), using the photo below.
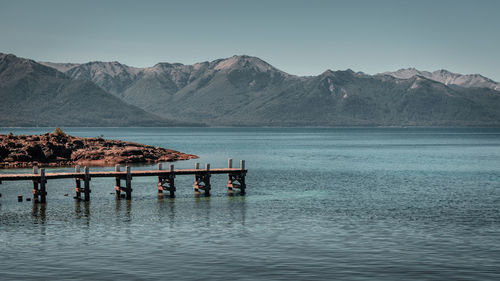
(299, 37)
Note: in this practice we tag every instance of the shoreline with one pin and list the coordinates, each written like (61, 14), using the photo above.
(61, 150)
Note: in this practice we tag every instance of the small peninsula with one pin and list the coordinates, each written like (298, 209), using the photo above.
(59, 149)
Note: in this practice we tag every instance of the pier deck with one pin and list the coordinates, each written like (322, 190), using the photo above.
(166, 179)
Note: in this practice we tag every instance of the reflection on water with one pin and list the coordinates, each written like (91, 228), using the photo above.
(38, 212)
(85, 213)
(237, 208)
(166, 206)
(123, 209)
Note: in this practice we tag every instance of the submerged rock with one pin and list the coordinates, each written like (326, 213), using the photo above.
(55, 150)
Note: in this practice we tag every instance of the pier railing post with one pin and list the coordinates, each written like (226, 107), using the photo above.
(86, 188)
(43, 191)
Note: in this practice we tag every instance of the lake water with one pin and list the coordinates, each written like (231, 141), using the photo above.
(321, 204)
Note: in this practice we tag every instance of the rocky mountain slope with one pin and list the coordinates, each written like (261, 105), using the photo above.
(33, 94)
(448, 78)
(246, 91)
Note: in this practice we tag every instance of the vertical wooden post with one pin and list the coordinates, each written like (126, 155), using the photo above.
(43, 181)
(78, 184)
(243, 185)
(196, 182)
(86, 189)
(171, 182)
(229, 179)
(128, 190)
(159, 187)
(206, 179)
(117, 181)
(35, 185)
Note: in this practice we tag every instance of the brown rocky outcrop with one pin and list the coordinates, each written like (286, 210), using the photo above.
(64, 150)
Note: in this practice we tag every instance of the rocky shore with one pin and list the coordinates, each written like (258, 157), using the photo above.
(50, 149)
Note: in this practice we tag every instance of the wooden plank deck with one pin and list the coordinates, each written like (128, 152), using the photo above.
(166, 179)
(104, 174)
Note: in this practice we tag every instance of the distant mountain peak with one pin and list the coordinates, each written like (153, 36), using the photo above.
(448, 78)
(244, 61)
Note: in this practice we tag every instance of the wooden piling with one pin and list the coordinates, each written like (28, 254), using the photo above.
(78, 184)
(237, 179)
(43, 181)
(202, 179)
(86, 188)
(229, 181)
(167, 182)
(117, 182)
(35, 185)
(128, 183)
(159, 186)
(171, 182)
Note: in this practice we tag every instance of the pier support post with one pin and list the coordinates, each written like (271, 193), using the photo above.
(128, 184)
(202, 179)
(117, 182)
(159, 186)
(42, 191)
(35, 185)
(86, 188)
(78, 184)
(167, 182)
(237, 179)
(229, 181)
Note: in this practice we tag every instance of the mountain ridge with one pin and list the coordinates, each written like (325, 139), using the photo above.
(448, 78)
(33, 94)
(247, 91)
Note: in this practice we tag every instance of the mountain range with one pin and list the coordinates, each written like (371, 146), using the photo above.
(448, 78)
(33, 94)
(247, 91)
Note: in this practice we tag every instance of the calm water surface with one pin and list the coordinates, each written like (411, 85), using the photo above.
(321, 204)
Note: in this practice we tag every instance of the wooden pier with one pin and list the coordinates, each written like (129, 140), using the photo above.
(166, 179)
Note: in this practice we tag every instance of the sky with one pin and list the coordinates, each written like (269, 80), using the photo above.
(298, 37)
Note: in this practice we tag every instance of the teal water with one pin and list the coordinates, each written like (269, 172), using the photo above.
(321, 204)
